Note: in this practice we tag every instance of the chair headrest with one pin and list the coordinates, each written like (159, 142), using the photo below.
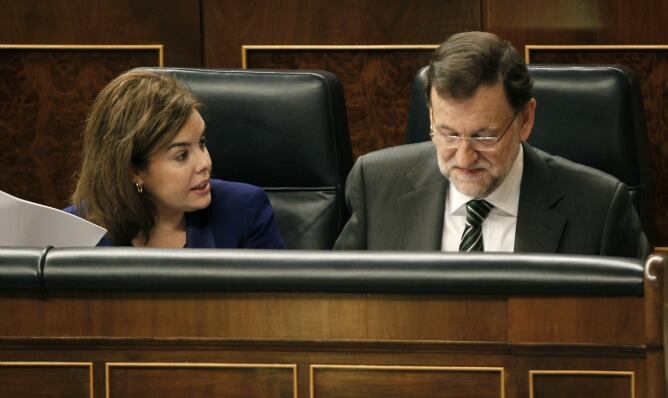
(270, 128)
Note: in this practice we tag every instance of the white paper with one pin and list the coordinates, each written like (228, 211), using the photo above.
(24, 223)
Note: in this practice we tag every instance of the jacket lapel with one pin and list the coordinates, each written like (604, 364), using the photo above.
(198, 230)
(539, 227)
(421, 206)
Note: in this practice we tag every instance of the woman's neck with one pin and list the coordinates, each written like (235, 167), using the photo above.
(167, 232)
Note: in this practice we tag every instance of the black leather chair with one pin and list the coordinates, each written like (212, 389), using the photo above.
(21, 268)
(284, 131)
(590, 114)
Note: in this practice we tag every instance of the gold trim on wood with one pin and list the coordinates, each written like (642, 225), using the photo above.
(630, 374)
(56, 364)
(566, 47)
(333, 47)
(109, 365)
(501, 371)
(158, 47)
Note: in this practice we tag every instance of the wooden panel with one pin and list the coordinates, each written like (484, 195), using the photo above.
(174, 23)
(405, 381)
(45, 94)
(263, 316)
(46, 380)
(584, 384)
(517, 360)
(577, 21)
(174, 380)
(376, 82)
(651, 67)
(576, 320)
(230, 24)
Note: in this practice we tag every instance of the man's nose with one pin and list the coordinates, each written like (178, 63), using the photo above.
(465, 156)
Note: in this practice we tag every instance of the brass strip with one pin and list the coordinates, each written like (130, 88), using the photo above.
(501, 371)
(610, 373)
(246, 47)
(158, 47)
(566, 47)
(198, 365)
(57, 364)
(42, 363)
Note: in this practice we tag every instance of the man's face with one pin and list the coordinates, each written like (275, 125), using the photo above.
(478, 172)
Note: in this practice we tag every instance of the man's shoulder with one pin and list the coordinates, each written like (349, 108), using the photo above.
(407, 152)
(399, 159)
(572, 172)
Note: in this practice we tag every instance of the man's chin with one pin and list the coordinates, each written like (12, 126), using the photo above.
(472, 189)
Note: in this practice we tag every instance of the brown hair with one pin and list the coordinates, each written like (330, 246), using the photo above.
(470, 59)
(133, 117)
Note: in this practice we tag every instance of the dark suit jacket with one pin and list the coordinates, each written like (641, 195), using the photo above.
(239, 216)
(397, 199)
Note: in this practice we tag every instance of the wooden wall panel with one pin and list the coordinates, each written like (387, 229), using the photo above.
(201, 380)
(405, 381)
(173, 23)
(582, 384)
(577, 21)
(376, 83)
(264, 316)
(44, 98)
(230, 24)
(567, 320)
(46, 380)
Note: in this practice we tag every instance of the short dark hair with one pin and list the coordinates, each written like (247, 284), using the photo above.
(468, 60)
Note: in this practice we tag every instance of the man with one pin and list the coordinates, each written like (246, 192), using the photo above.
(479, 185)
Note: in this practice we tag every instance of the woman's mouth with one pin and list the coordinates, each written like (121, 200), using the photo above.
(203, 185)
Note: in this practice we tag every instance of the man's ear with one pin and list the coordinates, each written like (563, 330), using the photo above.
(527, 117)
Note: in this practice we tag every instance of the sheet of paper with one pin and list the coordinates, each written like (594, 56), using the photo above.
(24, 223)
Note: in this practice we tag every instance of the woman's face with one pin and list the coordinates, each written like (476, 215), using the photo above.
(177, 177)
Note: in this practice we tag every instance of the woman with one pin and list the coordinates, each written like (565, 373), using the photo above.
(146, 173)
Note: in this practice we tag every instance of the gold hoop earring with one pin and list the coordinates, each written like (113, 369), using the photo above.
(140, 187)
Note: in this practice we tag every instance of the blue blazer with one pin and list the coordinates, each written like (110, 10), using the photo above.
(239, 217)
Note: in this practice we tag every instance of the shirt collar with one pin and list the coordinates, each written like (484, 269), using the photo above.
(505, 198)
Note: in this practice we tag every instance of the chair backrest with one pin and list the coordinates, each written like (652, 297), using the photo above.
(590, 114)
(286, 132)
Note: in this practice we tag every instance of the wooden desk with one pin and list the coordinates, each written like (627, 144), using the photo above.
(332, 345)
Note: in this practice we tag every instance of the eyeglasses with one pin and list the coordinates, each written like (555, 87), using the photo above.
(451, 141)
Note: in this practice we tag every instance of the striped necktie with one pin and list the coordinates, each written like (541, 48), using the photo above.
(476, 212)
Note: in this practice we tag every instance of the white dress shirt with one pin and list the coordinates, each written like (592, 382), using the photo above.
(498, 229)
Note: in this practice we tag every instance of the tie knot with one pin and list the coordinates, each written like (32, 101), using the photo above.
(476, 211)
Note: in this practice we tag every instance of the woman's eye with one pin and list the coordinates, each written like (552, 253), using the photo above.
(182, 156)
(202, 142)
